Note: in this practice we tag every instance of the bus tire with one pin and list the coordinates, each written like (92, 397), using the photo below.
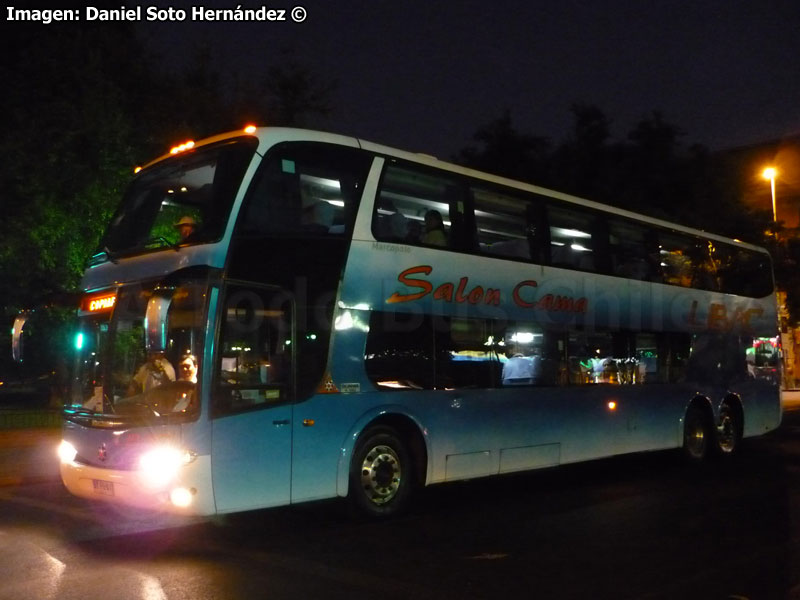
(381, 474)
(697, 434)
(729, 431)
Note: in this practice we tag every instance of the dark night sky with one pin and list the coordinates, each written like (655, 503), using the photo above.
(424, 75)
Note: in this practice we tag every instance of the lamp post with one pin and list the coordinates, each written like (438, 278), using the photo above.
(787, 342)
(770, 173)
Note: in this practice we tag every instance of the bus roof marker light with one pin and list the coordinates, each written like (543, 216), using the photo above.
(182, 147)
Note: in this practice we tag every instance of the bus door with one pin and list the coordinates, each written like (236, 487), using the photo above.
(252, 399)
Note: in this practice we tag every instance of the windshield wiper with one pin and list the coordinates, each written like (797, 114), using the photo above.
(161, 242)
(110, 255)
(103, 255)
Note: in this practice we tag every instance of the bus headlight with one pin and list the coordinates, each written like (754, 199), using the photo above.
(66, 452)
(182, 497)
(159, 467)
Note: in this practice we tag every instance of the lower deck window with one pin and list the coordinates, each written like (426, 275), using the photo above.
(412, 351)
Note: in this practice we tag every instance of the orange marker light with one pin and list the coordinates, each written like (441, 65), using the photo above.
(182, 147)
(612, 405)
(137, 169)
(250, 129)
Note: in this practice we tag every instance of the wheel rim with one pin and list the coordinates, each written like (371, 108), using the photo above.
(695, 438)
(381, 474)
(726, 432)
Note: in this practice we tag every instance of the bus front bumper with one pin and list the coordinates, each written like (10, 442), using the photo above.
(189, 493)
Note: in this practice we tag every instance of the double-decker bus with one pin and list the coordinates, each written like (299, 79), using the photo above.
(277, 316)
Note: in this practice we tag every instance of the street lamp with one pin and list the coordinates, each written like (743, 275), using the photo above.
(770, 173)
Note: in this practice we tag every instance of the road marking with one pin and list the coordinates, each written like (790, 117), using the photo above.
(151, 587)
(56, 571)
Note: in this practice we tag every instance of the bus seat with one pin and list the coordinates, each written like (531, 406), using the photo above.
(518, 248)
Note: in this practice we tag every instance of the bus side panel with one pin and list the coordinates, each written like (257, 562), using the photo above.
(762, 407)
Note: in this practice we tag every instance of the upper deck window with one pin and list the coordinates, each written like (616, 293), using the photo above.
(573, 239)
(502, 223)
(306, 189)
(181, 200)
(418, 206)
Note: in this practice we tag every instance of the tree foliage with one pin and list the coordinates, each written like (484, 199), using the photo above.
(83, 106)
(650, 171)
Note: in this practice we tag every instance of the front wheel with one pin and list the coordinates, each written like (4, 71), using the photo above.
(381, 474)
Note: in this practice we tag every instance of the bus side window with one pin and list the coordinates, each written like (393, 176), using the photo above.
(573, 242)
(254, 363)
(530, 355)
(417, 207)
(591, 358)
(501, 223)
(305, 188)
(705, 272)
(620, 357)
(464, 358)
(399, 351)
(743, 271)
(631, 254)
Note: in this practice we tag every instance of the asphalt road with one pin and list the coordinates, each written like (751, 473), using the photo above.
(645, 527)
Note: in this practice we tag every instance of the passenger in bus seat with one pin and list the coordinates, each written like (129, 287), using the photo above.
(518, 369)
(434, 234)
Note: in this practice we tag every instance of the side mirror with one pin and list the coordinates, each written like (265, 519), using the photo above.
(155, 319)
(16, 336)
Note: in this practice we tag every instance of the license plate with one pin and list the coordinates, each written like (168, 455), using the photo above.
(103, 487)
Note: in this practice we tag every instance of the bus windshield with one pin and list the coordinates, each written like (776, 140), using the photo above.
(122, 372)
(181, 200)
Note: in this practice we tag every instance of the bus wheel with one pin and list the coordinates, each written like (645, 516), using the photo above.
(381, 474)
(729, 430)
(696, 434)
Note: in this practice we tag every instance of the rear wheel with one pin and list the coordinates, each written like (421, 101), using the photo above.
(729, 430)
(381, 474)
(696, 434)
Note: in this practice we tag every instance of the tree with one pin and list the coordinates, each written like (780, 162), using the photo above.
(648, 172)
(504, 151)
(296, 94)
(582, 164)
(65, 155)
(290, 94)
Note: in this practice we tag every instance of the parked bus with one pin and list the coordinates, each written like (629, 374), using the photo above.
(277, 316)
